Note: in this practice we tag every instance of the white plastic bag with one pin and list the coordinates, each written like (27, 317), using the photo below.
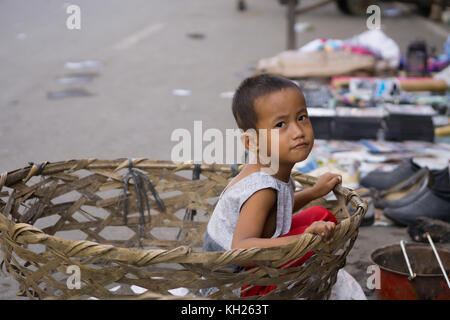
(346, 288)
(377, 41)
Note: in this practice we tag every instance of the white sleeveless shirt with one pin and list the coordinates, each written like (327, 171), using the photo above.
(221, 225)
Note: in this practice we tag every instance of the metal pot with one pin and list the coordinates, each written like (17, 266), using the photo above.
(399, 282)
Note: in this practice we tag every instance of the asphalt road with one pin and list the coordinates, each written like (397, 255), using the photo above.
(146, 54)
(146, 49)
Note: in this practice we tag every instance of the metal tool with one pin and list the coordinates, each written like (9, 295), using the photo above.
(412, 275)
(438, 258)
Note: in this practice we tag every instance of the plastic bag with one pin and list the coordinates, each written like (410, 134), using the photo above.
(376, 40)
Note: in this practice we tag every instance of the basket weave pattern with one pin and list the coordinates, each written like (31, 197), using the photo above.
(157, 248)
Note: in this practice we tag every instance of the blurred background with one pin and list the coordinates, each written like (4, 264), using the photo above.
(107, 89)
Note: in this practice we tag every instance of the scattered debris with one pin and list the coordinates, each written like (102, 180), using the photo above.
(196, 35)
(68, 93)
(303, 27)
(21, 36)
(227, 95)
(181, 92)
(392, 12)
(83, 64)
(77, 78)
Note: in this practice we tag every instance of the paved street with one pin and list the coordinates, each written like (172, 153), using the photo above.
(142, 50)
(146, 54)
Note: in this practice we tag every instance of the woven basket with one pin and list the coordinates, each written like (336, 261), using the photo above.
(133, 229)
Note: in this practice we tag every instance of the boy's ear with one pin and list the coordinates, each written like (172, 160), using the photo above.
(250, 141)
(245, 140)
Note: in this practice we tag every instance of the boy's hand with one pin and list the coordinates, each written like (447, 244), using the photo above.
(325, 229)
(325, 183)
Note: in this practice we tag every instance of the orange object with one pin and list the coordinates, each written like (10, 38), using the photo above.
(442, 131)
(395, 284)
(406, 84)
(423, 84)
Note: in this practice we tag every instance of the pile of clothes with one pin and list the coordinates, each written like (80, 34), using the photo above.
(370, 52)
(298, 64)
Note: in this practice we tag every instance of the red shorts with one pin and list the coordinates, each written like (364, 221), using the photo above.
(300, 222)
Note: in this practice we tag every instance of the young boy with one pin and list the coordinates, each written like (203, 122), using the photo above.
(255, 209)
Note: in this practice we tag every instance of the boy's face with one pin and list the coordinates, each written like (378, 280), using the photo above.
(285, 110)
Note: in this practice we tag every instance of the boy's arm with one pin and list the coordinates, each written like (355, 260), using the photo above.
(252, 218)
(325, 183)
(303, 197)
(250, 225)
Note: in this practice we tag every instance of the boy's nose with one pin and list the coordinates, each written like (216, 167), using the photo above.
(297, 131)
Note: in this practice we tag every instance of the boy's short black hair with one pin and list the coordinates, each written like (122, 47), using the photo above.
(251, 89)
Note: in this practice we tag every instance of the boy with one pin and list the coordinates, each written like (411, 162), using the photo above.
(255, 209)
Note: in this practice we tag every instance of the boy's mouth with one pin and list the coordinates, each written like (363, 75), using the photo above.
(300, 145)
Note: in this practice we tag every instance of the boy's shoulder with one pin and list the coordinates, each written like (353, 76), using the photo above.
(263, 197)
(252, 186)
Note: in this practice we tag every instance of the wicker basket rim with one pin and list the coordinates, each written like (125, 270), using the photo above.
(25, 233)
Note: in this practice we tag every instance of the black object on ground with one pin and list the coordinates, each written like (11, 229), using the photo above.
(241, 5)
(427, 204)
(439, 230)
(406, 191)
(384, 180)
(68, 93)
(196, 35)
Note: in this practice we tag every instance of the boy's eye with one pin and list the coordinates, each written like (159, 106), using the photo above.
(302, 118)
(280, 124)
